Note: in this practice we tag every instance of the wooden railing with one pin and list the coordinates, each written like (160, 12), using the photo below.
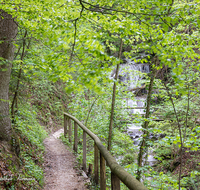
(117, 172)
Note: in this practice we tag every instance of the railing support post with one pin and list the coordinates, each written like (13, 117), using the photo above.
(115, 182)
(75, 137)
(65, 126)
(102, 173)
(84, 151)
(96, 164)
(119, 175)
(70, 129)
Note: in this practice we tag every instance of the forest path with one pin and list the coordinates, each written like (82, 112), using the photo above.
(59, 166)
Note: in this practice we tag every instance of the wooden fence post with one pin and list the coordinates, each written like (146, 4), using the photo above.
(115, 182)
(84, 151)
(75, 137)
(96, 164)
(65, 126)
(70, 129)
(102, 173)
(105, 156)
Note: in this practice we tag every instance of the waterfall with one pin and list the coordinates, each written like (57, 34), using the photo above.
(131, 75)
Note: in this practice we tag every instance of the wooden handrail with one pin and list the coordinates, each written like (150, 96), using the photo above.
(117, 172)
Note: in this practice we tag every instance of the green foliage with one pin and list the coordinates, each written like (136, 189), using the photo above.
(27, 125)
(76, 42)
(122, 145)
(31, 139)
(163, 182)
(26, 170)
(94, 112)
(128, 159)
(32, 170)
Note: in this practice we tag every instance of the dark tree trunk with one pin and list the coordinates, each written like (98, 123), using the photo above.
(8, 32)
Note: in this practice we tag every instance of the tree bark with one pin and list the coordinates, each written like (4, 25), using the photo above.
(113, 99)
(8, 32)
(146, 123)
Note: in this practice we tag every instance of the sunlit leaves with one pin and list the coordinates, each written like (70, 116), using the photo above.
(156, 27)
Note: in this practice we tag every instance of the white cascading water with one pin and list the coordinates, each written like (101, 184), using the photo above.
(130, 74)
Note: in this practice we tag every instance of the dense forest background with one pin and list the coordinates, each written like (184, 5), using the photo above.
(58, 56)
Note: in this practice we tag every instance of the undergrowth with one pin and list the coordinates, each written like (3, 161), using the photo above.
(39, 104)
(24, 171)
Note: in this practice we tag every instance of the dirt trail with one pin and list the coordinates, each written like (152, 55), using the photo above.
(59, 166)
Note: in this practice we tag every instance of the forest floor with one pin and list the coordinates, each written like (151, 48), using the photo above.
(60, 166)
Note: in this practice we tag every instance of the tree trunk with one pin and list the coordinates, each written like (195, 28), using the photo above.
(8, 32)
(113, 99)
(14, 102)
(146, 123)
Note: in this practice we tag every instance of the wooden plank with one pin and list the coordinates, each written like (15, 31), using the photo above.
(84, 151)
(115, 182)
(75, 137)
(65, 126)
(102, 173)
(96, 164)
(70, 130)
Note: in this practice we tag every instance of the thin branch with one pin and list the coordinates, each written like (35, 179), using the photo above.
(180, 133)
(93, 21)
(75, 30)
(73, 45)
(113, 10)
(170, 7)
(90, 110)
(166, 22)
(17, 52)
(188, 108)
(19, 75)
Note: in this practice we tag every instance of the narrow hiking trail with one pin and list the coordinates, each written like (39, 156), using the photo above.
(59, 166)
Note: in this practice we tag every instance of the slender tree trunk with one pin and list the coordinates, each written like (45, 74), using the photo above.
(145, 125)
(8, 32)
(113, 99)
(180, 132)
(90, 110)
(14, 102)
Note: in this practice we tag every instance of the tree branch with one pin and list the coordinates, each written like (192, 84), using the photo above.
(75, 29)
(100, 9)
